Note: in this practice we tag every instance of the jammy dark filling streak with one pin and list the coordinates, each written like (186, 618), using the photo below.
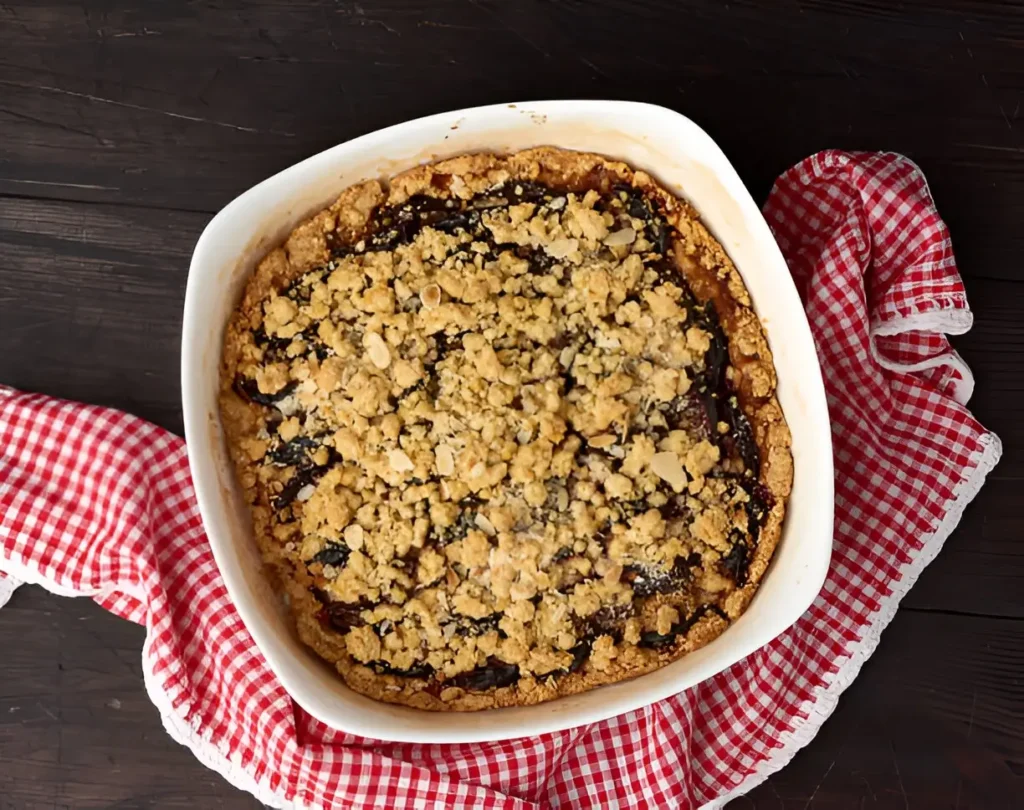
(709, 411)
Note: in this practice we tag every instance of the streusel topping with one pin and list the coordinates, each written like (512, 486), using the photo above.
(498, 435)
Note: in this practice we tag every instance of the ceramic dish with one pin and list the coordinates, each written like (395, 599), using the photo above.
(685, 160)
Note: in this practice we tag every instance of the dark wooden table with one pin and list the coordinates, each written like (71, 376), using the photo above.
(122, 132)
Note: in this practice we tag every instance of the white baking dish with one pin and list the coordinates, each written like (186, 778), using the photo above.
(684, 159)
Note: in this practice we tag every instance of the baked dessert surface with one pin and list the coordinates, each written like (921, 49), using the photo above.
(507, 427)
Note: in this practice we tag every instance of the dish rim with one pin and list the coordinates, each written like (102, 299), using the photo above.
(206, 277)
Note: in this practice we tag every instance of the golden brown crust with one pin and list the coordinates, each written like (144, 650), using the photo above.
(289, 544)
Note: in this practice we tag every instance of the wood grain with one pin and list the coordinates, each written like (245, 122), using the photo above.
(77, 729)
(124, 127)
(103, 321)
(925, 725)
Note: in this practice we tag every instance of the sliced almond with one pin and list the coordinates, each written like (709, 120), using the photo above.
(560, 248)
(566, 356)
(354, 536)
(305, 493)
(603, 341)
(669, 469)
(484, 525)
(478, 469)
(431, 296)
(288, 405)
(604, 440)
(563, 499)
(444, 457)
(625, 236)
(521, 591)
(378, 350)
(399, 461)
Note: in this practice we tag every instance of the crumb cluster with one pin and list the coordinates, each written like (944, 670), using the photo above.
(507, 429)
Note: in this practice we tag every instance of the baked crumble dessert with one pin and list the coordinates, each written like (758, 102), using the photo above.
(508, 431)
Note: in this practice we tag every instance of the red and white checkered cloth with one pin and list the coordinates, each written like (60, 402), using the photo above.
(99, 503)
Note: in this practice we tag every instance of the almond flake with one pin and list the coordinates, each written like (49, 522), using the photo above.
(431, 296)
(478, 469)
(288, 405)
(305, 493)
(560, 248)
(354, 536)
(445, 459)
(399, 461)
(484, 525)
(669, 469)
(378, 351)
(604, 440)
(626, 236)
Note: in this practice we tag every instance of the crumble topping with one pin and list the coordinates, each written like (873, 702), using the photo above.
(494, 432)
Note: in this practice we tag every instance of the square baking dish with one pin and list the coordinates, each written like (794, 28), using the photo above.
(685, 160)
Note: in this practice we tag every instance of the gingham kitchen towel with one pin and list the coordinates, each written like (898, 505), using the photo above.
(99, 503)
